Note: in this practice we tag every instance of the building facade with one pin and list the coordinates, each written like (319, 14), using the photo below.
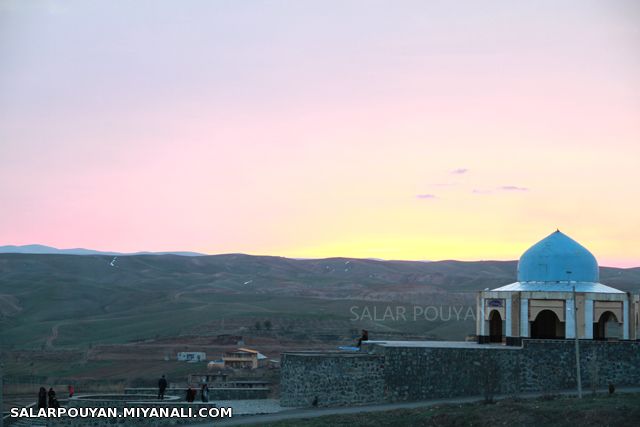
(191, 356)
(243, 358)
(557, 295)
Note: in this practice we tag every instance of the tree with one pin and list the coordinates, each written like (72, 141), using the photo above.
(267, 325)
(257, 326)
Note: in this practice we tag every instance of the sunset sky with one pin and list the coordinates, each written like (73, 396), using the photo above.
(420, 130)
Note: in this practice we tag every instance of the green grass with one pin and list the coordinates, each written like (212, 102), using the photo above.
(145, 297)
(618, 410)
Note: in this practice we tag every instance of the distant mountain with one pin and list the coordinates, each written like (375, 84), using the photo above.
(42, 249)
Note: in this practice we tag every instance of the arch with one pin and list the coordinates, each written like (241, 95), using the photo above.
(607, 326)
(547, 325)
(495, 326)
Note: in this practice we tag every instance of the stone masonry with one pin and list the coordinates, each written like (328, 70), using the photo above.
(331, 379)
(406, 373)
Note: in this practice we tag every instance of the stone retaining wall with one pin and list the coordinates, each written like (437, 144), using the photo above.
(417, 373)
(548, 365)
(420, 373)
(331, 379)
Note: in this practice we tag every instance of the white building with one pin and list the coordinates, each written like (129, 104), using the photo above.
(192, 356)
(556, 276)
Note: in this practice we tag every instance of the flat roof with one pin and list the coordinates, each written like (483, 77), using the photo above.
(331, 353)
(405, 344)
(439, 344)
(559, 287)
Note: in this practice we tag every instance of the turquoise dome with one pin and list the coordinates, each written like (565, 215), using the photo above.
(551, 258)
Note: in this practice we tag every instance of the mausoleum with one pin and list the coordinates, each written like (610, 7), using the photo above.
(558, 295)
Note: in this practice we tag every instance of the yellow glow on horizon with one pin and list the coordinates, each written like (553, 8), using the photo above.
(309, 134)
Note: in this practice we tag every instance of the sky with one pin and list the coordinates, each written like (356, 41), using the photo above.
(418, 130)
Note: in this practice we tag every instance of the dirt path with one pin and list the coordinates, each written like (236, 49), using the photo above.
(314, 413)
(55, 329)
(54, 334)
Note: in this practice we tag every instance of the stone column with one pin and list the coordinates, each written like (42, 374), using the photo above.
(508, 317)
(625, 315)
(588, 319)
(481, 317)
(524, 317)
(569, 319)
(633, 324)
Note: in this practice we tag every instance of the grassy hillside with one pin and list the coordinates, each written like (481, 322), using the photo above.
(66, 301)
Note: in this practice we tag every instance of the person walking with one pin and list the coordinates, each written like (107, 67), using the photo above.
(42, 398)
(204, 393)
(52, 397)
(162, 386)
(71, 391)
(191, 394)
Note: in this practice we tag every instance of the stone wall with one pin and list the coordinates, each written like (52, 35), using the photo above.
(417, 373)
(549, 365)
(538, 366)
(420, 373)
(331, 379)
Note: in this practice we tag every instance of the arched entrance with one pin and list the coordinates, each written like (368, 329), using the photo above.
(495, 326)
(607, 327)
(547, 326)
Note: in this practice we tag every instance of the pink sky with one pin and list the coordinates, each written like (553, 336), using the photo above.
(321, 128)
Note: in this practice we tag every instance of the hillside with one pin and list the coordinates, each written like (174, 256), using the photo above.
(67, 301)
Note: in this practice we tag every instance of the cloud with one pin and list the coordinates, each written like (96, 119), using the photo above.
(477, 191)
(426, 196)
(459, 171)
(502, 188)
(512, 188)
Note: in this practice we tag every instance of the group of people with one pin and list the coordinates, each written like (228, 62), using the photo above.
(48, 399)
(191, 393)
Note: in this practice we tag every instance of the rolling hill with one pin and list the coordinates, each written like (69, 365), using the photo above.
(68, 301)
